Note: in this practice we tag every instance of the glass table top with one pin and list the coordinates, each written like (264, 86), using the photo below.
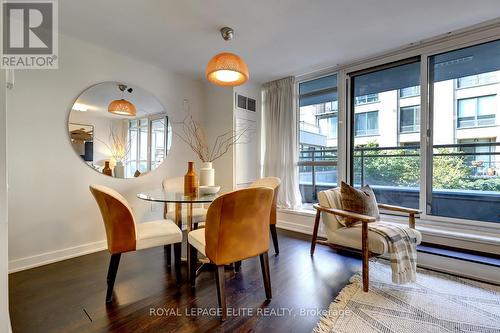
(179, 197)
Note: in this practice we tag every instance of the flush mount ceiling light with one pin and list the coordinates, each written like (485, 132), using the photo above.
(122, 107)
(227, 69)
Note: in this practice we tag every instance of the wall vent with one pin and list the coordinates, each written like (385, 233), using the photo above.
(245, 103)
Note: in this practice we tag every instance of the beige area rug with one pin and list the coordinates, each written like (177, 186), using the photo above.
(435, 303)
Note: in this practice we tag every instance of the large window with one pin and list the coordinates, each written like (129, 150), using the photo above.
(387, 131)
(159, 140)
(318, 116)
(137, 157)
(409, 119)
(366, 123)
(388, 162)
(476, 111)
(148, 141)
(465, 151)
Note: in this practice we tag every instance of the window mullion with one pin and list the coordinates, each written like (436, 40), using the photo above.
(425, 135)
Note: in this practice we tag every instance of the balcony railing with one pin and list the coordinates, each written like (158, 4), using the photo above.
(468, 170)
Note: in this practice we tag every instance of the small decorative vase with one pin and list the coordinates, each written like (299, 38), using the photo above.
(207, 174)
(107, 170)
(190, 181)
(119, 170)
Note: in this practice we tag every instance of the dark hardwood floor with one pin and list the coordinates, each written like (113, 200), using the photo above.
(68, 296)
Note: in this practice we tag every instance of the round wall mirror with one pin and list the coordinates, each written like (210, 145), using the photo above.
(119, 130)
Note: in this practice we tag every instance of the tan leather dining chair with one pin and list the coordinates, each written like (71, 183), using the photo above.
(236, 229)
(274, 183)
(123, 234)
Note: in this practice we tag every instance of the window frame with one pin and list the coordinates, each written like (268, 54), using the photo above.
(476, 113)
(366, 134)
(416, 115)
(149, 127)
(298, 122)
(482, 33)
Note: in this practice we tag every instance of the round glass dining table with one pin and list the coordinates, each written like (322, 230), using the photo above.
(178, 198)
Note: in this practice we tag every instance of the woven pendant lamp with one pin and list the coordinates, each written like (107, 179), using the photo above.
(122, 107)
(227, 69)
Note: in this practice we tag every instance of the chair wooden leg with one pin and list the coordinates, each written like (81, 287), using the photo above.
(168, 253)
(193, 261)
(315, 232)
(366, 257)
(112, 270)
(264, 265)
(220, 281)
(274, 234)
(177, 262)
(411, 221)
(237, 266)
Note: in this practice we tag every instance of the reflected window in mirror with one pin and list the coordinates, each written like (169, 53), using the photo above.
(148, 139)
(118, 143)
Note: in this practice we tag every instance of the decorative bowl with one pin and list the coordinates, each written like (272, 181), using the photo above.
(209, 189)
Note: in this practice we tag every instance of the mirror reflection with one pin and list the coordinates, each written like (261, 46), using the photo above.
(119, 130)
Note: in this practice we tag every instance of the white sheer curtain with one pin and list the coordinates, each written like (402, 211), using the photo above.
(280, 128)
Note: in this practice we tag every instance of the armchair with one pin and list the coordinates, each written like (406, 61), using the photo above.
(357, 237)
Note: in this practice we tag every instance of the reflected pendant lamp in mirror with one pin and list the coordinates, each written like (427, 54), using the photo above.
(227, 69)
(122, 107)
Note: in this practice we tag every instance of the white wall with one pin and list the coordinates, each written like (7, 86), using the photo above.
(218, 113)
(241, 165)
(247, 154)
(52, 214)
(4, 286)
(387, 108)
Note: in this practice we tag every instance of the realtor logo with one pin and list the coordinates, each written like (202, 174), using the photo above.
(29, 34)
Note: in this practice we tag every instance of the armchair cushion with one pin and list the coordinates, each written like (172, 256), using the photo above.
(157, 233)
(360, 201)
(351, 237)
(331, 199)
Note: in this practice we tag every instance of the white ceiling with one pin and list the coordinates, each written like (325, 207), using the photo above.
(97, 98)
(276, 37)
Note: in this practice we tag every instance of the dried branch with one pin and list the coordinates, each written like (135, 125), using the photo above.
(224, 147)
(118, 145)
(193, 134)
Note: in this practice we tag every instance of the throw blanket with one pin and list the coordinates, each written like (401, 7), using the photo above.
(402, 250)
